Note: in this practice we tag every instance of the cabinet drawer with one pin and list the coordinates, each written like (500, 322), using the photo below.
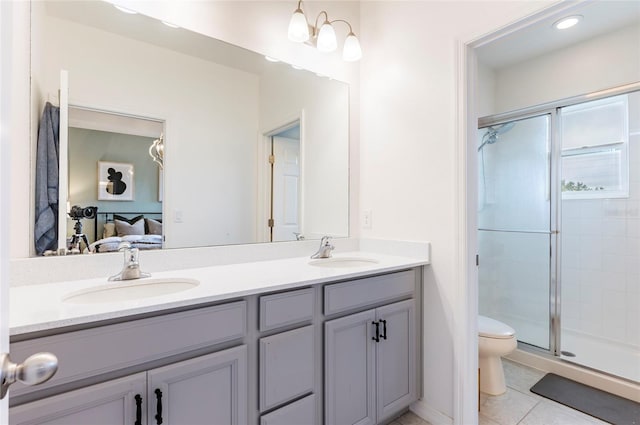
(286, 308)
(301, 412)
(286, 366)
(90, 352)
(350, 295)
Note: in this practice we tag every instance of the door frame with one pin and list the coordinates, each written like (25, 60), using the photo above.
(465, 341)
(263, 168)
(6, 26)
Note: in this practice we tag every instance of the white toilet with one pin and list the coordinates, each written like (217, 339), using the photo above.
(495, 339)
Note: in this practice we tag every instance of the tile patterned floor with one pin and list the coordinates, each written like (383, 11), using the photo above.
(518, 406)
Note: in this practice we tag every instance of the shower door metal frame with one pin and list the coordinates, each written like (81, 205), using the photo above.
(553, 170)
(555, 216)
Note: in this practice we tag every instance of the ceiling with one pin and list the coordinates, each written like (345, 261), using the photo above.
(599, 17)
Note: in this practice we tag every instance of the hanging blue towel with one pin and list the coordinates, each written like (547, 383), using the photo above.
(47, 166)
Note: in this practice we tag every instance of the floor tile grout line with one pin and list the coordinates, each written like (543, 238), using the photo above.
(529, 411)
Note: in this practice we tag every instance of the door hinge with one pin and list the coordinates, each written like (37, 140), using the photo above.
(477, 260)
(270, 222)
(272, 159)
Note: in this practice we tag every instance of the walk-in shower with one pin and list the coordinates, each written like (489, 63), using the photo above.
(559, 228)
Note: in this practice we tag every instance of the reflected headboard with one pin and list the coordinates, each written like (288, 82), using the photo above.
(108, 217)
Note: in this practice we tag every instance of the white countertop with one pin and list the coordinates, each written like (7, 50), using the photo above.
(36, 308)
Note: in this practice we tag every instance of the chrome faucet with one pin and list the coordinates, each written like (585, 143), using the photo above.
(131, 268)
(325, 248)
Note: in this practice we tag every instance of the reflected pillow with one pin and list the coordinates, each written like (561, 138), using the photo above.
(108, 230)
(124, 228)
(154, 227)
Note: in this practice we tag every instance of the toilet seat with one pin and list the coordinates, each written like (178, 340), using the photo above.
(490, 328)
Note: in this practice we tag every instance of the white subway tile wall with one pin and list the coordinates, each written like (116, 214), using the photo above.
(601, 266)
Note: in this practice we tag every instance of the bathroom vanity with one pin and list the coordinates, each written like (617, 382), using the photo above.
(273, 342)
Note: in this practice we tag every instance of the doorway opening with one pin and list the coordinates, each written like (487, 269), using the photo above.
(283, 184)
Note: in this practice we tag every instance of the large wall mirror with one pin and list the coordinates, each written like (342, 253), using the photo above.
(222, 113)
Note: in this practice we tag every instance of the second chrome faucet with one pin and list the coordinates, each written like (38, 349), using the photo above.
(325, 248)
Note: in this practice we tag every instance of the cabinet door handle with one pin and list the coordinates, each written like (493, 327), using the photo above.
(376, 338)
(158, 406)
(384, 329)
(138, 409)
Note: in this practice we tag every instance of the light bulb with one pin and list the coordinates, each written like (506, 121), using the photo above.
(352, 51)
(298, 27)
(567, 22)
(327, 38)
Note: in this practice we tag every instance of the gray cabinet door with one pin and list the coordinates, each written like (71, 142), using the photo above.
(109, 403)
(210, 389)
(287, 366)
(350, 370)
(396, 359)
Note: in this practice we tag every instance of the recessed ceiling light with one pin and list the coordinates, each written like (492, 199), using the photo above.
(170, 25)
(567, 22)
(270, 59)
(125, 10)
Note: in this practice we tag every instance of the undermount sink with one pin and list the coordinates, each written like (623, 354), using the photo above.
(343, 262)
(130, 290)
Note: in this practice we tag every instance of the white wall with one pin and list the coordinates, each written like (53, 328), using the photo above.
(600, 252)
(599, 63)
(285, 93)
(486, 90)
(261, 26)
(408, 147)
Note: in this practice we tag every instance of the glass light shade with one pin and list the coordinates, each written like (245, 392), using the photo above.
(298, 27)
(327, 38)
(352, 51)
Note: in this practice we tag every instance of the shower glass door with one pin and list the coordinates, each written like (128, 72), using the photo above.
(514, 226)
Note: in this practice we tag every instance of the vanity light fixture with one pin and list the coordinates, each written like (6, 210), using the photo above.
(567, 22)
(156, 151)
(125, 10)
(324, 36)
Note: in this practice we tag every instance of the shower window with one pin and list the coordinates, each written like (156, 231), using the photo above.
(595, 139)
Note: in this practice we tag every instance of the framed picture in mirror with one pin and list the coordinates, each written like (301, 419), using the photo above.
(115, 181)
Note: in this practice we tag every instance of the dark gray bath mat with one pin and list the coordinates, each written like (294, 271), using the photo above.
(589, 400)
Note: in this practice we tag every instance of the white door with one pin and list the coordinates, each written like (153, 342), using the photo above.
(5, 99)
(44, 362)
(286, 189)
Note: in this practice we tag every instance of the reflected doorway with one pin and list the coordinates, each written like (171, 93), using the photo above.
(285, 188)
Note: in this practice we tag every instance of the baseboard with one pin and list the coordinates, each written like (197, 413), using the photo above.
(429, 414)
